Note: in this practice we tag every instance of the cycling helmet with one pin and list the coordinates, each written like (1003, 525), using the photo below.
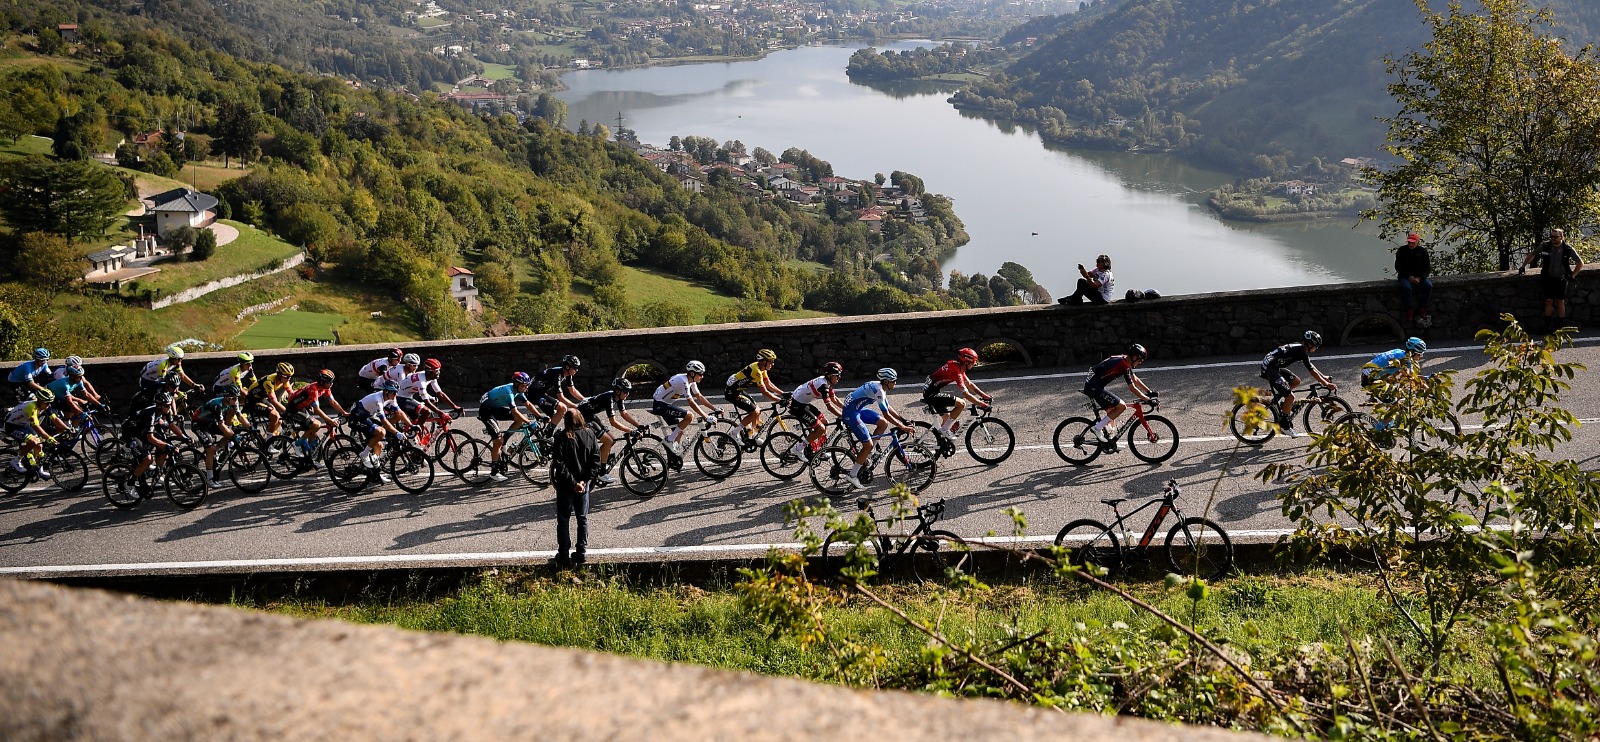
(694, 367)
(766, 354)
(325, 376)
(967, 355)
(1415, 345)
(396, 352)
(164, 398)
(388, 386)
(432, 364)
(245, 357)
(521, 377)
(231, 390)
(44, 395)
(74, 362)
(887, 374)
(832, 368)
(171, 381)
(285, 369)
(571, 360)
(40, 354)
(175, 353)
(1136, 350)
(411, 359)
(1312, 337)
(622, 385)
(75, 372)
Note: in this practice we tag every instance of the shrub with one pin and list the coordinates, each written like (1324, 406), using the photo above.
(205, 245)
(180, 240)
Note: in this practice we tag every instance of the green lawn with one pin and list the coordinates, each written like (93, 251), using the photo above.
(432, 23)
(645, 285)
(499, 71)
(253, 251)
(282, 329)
(24, 146)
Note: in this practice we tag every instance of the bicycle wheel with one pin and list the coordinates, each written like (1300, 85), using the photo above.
(829, 469)
(247, 469)
(284, 458)
(778, 456)
(117, 484)
(530, 459)
(644, 471)
(1199, 547)
(346, 470)
(447, 450)
(939, 556)
(1445, 436)
(1153, 441)
(1368, 425)
(13, 481)
(1321, 413)
(917, 469)
(187, 454)
(990, 441)
(1075, 441)
(836, 556)
(68, 468)
(1242, 431)
(718, 455)
(411, 469)
(102, 451)
(470, 461)
(185, 485)
(1090, 542)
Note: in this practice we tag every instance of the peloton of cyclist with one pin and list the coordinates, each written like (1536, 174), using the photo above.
(1111, 405)
(25, 424)
(669, 399)
(609, 404)
(143, 425)
(269, 394)
(376, 367)
(241, 374)
(306, 401)
(420, 389)
(1275, 369)
(948, 405)
(553, 390)
(506, 403)
(1391, 362)
(214, 421)
(87, 391)
(396, 373)
(802, 404)
(377, 416)
(754, 376)
(869, 405)
(31, 376)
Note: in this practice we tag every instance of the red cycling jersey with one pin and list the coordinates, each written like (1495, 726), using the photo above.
(950, 373)
(307, 396)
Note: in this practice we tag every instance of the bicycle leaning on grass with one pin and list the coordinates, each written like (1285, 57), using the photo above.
(924, 554)
(1194, 546)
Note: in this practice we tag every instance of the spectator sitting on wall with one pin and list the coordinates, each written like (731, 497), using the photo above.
(1560, 263)
(1412, 266)
(1095, 286)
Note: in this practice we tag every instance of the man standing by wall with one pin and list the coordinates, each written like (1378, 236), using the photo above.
(1413, 266)
(1559, 264)
(574, 465)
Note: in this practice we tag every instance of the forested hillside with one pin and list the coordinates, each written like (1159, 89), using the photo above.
(1250, 85)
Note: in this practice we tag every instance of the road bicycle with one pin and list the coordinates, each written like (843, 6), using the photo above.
(1194, 546)
(716, 454)
(925, 554)
(1318, 407)
(183, 483)
(407, 465)
(642, 463)
(448, 447)
(1151, 437)
(68, 469)
(290, 455)
(989, 439)
(778, 454)
(913, 462)
(1441, 435)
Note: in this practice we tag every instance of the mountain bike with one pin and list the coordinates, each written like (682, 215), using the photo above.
(67, 468)
(912, 462)
(407, 465)
(1151, 437)
(183, 483)
(1194, 546)
(1318, 408)
(925, 554)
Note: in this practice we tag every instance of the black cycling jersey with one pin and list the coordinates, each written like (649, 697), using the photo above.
(605, 403)
(1286, 355)
(549, 382)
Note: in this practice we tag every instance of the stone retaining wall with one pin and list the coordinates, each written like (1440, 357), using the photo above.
(1172, 328)
(191, 294)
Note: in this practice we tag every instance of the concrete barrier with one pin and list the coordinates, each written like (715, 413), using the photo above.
(82, 664)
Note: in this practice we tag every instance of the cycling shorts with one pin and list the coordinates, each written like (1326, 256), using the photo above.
(1101, 396)
(410, 407)
(740, 400)
(857, 423)
(18, 432)
(806, 414)
(673, 415)
(547, 404)
(941, 402)
(488, 415)
(1281, 380)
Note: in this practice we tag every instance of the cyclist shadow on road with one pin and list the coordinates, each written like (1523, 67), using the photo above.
(520, 516)
(85, 513)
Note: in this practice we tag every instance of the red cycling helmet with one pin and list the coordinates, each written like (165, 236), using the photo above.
(432, 364)
(968, 355)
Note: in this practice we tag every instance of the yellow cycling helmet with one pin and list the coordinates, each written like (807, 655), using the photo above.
(766, 355)
(285, 369)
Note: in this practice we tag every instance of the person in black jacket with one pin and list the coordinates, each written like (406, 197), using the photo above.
(574, 464)
(1412, 266)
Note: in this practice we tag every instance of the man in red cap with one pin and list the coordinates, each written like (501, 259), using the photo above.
(1412, 266)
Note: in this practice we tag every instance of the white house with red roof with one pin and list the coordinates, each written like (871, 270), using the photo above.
(463, 290)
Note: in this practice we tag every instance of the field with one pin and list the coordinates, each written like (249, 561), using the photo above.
(25, 145)
(282, 329)
(645, 285)
(494, 71)
(431, 23)
(253, 251)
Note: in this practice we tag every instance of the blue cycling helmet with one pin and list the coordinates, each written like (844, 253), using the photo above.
(887, 374)
(1415, 345)
(389, 386)
(521, 377)
(40, 354)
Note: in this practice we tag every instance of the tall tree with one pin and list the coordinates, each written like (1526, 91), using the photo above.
(237, 127)
(1498, 135)
(70, 198)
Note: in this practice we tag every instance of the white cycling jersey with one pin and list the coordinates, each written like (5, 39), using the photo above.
(677, 389)
(396, 373)
(375, 406)
(813, 390)
(374, 369)
(419, 387)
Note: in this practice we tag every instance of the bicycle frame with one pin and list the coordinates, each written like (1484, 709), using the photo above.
(1169, 505)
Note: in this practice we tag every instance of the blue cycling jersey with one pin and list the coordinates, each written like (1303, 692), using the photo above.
(23, 372)
(1386, 364)
(504, 396)
(870, 393)
(63, 387)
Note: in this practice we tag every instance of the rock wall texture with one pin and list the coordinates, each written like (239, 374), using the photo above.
(1046, 336)
(87, 665)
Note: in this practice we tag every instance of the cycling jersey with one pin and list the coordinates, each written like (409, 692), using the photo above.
(236, 375)
(417, 386)
(30, 370)
(871, 393)
(59, 373)
(950, 373)
(750, 375)
(605, 403)
(374, 368)
(159, 368)
(395, 373)
(27, 414)
(1386, 364)
(1108, 370)
(64, 388)
(1285, 355)
(677, 389)
(550, 381)
(307, 397)
(143, 422)
(503, 397)
(274, 385)
(216, 410)
(811, 391)
(375, 406)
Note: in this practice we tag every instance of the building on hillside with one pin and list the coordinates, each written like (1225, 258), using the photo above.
(105, 262)
(873, 217)
(182, 207)
(69, 32)
(463, 290)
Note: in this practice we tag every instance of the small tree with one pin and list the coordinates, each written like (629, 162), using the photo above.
(47, 262)
(180, 240)
(205, 245)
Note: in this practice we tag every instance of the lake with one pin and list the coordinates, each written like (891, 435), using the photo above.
(1047, 209)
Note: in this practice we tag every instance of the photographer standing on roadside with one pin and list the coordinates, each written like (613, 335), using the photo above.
(1559, 262)
(574, 464)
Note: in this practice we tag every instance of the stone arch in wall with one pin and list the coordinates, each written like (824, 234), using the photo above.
(642, 371)
(1004, 353)
(1373, 327)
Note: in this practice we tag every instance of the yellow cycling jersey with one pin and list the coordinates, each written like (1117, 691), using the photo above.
(748, 376)
(275, 385)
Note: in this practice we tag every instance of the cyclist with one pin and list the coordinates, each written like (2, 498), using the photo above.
(420, 389)
(269, 393)
(216, 420)
(869, 405)
(1104, 373)
(1391, 362)
(378, 416)
(502, 403)
(144, 424)
(24, 421)
(802, 405)
(31, 376)
(684, 387)
(155, 373)
(241, 374)
(754, 375)
(87, 392)
(1275, 369)
(610, 405)
(375, 368)
(306, 401)
(948, 405)
(552, 388)
(70, 396)
(395, 373)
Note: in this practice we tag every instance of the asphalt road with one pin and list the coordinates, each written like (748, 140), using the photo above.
(307, 525)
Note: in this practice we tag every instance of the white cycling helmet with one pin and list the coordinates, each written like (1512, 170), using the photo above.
(887, 374)
(694, 367)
